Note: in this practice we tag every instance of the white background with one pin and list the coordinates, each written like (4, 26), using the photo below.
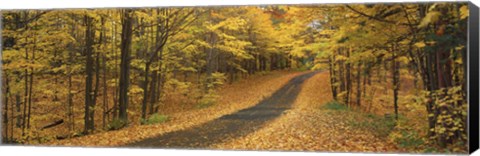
(76, 151)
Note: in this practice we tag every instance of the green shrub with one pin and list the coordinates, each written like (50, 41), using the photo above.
(430, 150)
(204, 104)
(215, 80)
(262, 73)
(154, 119)
(207, 100)
(380, 126)
(116, 124)
(383, 126)
(302, 68)
(334, 105)
(409, 139)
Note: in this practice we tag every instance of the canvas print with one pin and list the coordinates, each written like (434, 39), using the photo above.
(323, 77)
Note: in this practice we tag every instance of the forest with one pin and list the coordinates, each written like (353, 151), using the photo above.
(331, 77)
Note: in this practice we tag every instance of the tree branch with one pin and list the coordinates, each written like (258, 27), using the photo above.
(374, 18)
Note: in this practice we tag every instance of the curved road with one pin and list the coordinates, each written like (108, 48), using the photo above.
(233, 125)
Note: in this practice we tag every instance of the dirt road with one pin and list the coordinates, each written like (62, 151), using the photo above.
(233, 125)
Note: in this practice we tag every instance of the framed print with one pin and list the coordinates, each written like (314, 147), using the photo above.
(371, 77)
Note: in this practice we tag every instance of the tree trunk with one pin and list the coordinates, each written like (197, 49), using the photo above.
(145, 91)
(348, 79)
(71, 54)
(25, 99)
(333, 78)
(104, 72)
(160, 84)
(359, 82)
(6, 93)
(18, 106)
(341, 75)
(126, 41)
(5, 111)
(210, 61)
(153, 91)
(96, 90)
(115, 99)
(105, 92)
(30, 92)
(70, 102)
(12, 115)
(395, 76)
(231, 71)
(431, 86)
(89, 94)
(272, 62)
(264, 63)
(31, 87)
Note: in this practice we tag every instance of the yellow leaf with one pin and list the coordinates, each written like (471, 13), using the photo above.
(464, 12)
(458, 61)
(420, 44)
(431, 17)
(459, 47)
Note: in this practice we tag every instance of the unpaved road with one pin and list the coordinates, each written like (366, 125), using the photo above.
(230, 126)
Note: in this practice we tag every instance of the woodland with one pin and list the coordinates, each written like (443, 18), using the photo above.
(343, 77)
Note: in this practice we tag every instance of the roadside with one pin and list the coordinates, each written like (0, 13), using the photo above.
(234, 97)
(230, 126)
(312, 125)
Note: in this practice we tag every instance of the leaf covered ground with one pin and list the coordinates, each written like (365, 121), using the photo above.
(310, 126)
(234, 97)
(314, 122)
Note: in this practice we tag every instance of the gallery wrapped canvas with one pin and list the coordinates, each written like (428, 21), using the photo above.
(369, 77)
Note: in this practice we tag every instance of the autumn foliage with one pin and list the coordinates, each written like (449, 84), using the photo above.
(113, 77)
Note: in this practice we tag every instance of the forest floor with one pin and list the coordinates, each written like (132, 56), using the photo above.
(231, 126)
(312, 124)
(287, 111)
(233, 97)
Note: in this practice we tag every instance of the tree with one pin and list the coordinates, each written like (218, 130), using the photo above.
(126, 40)
(89, 93)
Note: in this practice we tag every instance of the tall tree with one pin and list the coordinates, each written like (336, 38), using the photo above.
(126, 40)
(89, 94)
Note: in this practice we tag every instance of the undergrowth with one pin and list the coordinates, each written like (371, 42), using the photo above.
(154, 119)
(334, 105)
(385, 127)
(207, 100)
(380, 126)
(116, 124)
